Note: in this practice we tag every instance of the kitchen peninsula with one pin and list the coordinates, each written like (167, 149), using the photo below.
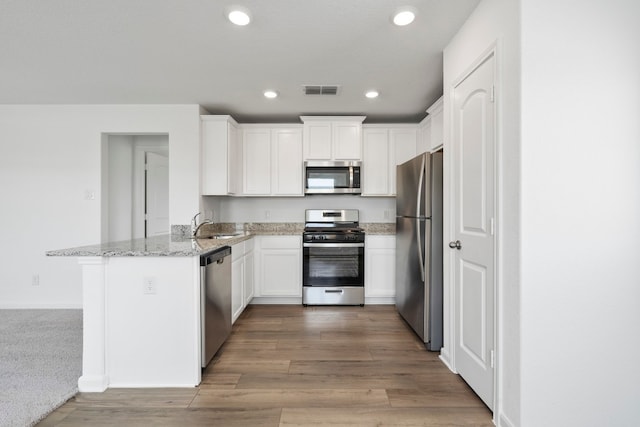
(141, 311)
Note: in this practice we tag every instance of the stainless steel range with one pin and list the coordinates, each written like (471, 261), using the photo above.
(333, 258)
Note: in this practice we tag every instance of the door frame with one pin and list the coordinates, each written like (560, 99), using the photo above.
(450, 315)
(140, 150)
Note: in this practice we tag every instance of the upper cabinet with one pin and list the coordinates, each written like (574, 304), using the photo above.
(220, 155)
(436, 112)
(272, 160)
(424, 136)
(384, 147)
(332, 137)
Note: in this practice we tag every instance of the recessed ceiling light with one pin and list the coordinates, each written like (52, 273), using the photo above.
(372, 94)
(404, 16)
(239, 16)
(270, 94)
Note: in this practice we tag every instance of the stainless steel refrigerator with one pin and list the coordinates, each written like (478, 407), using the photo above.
(419, 246)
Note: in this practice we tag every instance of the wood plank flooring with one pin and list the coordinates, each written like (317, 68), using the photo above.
(300, 366)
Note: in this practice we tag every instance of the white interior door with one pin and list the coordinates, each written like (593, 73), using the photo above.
(157, 194)
(473, 145)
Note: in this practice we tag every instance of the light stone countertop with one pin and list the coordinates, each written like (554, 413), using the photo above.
(179, 245)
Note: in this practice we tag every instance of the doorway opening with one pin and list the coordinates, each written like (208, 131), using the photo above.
(135, 186)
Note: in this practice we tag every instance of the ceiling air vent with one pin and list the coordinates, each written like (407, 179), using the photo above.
(320, 90)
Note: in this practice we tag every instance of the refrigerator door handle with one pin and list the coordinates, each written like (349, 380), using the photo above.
(420, 256)
(420, 184)
(418, 215)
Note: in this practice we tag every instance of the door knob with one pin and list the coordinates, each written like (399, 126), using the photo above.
(455, 245)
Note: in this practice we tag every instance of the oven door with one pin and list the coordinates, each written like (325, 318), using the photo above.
(333, 264)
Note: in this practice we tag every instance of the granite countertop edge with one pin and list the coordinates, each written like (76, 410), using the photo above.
(179, 245)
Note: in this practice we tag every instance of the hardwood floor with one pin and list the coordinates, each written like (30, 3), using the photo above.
(300, 366)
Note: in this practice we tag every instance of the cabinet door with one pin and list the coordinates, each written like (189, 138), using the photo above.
(380, 266)
(286, 170)
(214, 155)
(257, 161)
(281, 272)
(317, 140)
(403, 147)
(437, 125)
(376, 162)
(234, 161)
(424, 136)
(237, 288)
(279, 266)
(347, 141)
(248, 278)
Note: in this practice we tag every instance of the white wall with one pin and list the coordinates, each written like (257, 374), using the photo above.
(580, 213)
(291, 209)
(49, 161)
(495, 24)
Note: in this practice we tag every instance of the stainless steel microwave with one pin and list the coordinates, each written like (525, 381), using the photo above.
(328, 177)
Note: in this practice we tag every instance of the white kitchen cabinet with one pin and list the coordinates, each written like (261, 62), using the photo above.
(384, 147)
(278, 267)
(237, 281)
(436, 111)
(272, 161)
(332, 137)
(248, 272)
(241, 277)
(286, 162)
(256, 153)
(380, 268)
(220, 155)
(424, 136)
(376, 162)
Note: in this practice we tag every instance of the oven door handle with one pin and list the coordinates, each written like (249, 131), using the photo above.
(333, 245)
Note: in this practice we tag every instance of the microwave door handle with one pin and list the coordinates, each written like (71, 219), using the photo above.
(350, 176)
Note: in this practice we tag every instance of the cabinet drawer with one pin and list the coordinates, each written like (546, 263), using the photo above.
(280, 242)
(248, 245)
(237, 251)
(380, 242)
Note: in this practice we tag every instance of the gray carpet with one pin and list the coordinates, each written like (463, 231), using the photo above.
(40, 363)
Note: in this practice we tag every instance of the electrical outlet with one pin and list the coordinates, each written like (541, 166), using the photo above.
(35, 280)
(149, 286)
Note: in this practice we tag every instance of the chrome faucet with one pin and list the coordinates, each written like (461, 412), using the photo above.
(195, 227)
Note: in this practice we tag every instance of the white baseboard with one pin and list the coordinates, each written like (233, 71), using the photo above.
(40, 306)
(445, 357)
(504, 421)
(380, 300)
(93, 383)
(276, 300)
(297, 300)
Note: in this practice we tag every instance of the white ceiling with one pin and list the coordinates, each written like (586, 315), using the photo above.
(186, 52)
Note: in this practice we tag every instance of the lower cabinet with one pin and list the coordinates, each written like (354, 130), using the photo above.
(278, 266)
(249, 279)
(380, 269)
(241, 277)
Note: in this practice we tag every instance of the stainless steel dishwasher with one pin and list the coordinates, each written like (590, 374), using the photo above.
(215, 301)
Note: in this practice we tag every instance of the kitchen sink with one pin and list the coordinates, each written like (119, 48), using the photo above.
(220, 236)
